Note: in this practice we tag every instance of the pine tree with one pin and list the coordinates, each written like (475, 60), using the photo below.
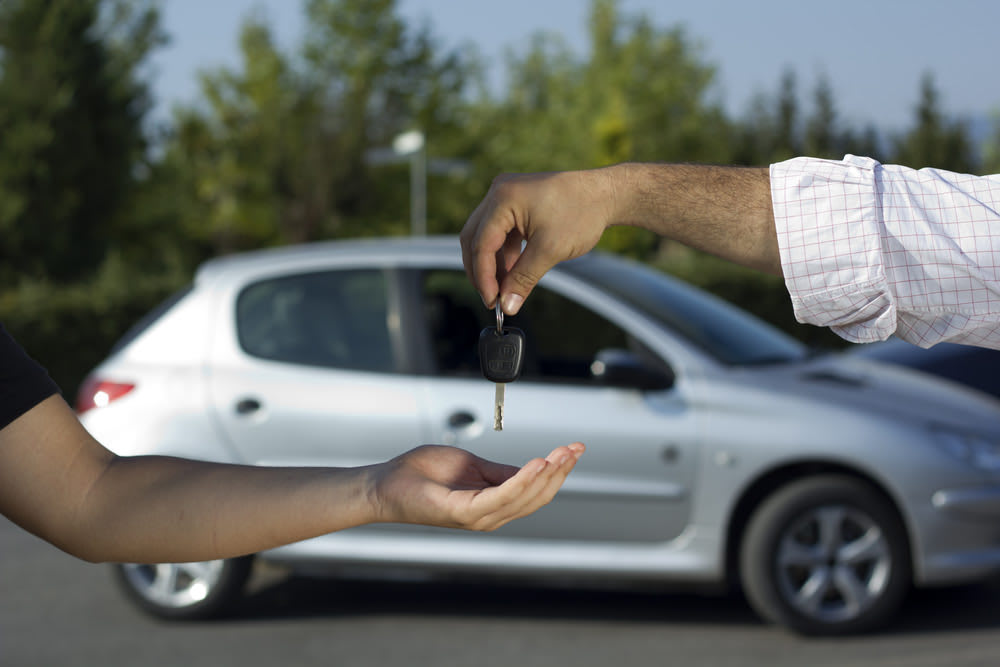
(71, 113)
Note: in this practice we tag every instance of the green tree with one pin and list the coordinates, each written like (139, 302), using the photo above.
(786, 141)
(641, 93)
(771, 131)
(71, 114)
(867, 141)
(822, 135)
(991, 149)
(934, 140)
(277, 154)
(232, 159)
(73, 166)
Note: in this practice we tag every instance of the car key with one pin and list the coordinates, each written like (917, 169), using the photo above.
(501, 357)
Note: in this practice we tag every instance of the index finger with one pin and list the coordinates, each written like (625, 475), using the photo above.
(482, 237)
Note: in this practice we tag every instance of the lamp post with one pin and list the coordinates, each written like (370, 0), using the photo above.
(411, 144)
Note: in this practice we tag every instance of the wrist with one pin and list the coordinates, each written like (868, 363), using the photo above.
(374, 505)
(624, 193)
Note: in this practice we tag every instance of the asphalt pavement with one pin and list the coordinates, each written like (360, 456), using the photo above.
(56, 610)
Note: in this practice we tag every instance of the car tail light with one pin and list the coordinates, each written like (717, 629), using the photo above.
(96, 393)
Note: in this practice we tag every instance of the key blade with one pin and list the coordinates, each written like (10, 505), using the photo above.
(498, 408)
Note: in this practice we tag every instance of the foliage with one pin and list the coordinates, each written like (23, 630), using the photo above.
(101, 217)
(278, 155)
(991, 151)
(640, 94)
(776, 129)
(71, 112)
(70, 328)
(935, 141)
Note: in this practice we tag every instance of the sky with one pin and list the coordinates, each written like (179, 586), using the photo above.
(873, 52)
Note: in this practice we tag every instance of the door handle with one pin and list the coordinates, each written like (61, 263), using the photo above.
(460, 419)
(246, 406)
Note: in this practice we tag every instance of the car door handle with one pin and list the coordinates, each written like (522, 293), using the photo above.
(460, 419)
(246, 406)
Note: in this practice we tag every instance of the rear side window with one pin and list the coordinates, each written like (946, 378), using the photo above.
(334, 319)
(150, 318)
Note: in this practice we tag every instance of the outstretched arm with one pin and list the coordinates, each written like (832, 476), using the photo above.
(59, 483)
(722, 210)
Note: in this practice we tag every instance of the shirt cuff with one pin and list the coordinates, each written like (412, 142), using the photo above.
(827, 221)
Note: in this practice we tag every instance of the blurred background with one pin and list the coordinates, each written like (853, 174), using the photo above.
(140, 138)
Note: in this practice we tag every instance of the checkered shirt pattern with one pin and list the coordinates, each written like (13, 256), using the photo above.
(870, 250)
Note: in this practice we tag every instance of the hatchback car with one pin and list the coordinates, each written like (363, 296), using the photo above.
(720, 451)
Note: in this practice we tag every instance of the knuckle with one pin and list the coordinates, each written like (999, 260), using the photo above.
(500, 180)
(525, 280)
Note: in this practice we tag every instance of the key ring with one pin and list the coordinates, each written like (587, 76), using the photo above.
(499, 318)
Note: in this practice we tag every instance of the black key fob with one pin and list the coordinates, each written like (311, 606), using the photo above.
(501, 354)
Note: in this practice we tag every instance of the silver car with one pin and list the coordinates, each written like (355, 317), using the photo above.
(720, 451)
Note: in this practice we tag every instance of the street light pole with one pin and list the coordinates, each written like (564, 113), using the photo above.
(418, 193)
(412, 144)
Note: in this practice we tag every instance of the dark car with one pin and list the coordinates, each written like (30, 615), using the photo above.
(975, 367)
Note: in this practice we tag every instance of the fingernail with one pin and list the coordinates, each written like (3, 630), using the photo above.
(512, 303)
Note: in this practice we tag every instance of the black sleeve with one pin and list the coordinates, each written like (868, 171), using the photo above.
(23, 382)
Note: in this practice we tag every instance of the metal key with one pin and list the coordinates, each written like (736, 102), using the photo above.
(501, 357)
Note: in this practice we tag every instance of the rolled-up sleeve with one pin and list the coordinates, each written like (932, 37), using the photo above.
(870, 250)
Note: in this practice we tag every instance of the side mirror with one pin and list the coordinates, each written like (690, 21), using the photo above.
(624, 369)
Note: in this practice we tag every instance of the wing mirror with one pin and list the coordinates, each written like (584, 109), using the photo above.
(624, 369)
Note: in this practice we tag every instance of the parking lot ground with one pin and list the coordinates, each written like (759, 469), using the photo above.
(56, 610)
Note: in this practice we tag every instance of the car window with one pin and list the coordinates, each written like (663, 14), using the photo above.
(334, 319)
(150, 318)
(729, 334)
(563, 337)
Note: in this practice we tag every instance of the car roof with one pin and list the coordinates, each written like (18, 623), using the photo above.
(386, 250)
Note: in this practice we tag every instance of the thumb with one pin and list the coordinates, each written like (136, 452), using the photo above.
(522, 277)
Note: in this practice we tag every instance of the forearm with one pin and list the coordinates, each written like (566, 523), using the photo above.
(527, 223)
(59, 483)
(725, 211)
(158, 509)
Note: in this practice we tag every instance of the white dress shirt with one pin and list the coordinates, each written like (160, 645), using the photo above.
(870, 250)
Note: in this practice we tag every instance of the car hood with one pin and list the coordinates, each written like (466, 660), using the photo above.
(870, 386)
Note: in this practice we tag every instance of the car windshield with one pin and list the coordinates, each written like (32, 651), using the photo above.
(730, 335)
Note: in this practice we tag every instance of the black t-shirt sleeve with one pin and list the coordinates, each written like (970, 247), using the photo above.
(23, 382)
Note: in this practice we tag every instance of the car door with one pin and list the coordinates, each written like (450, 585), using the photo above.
(634, 482)
(306, 371)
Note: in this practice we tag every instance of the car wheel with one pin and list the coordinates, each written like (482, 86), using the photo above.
(185, 591)
(825, 555)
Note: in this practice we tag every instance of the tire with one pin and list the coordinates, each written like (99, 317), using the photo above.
(826, 555)
(185, 591)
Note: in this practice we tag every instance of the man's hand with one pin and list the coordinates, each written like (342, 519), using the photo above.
(725, 211)
(559, 215)
(445, 486)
